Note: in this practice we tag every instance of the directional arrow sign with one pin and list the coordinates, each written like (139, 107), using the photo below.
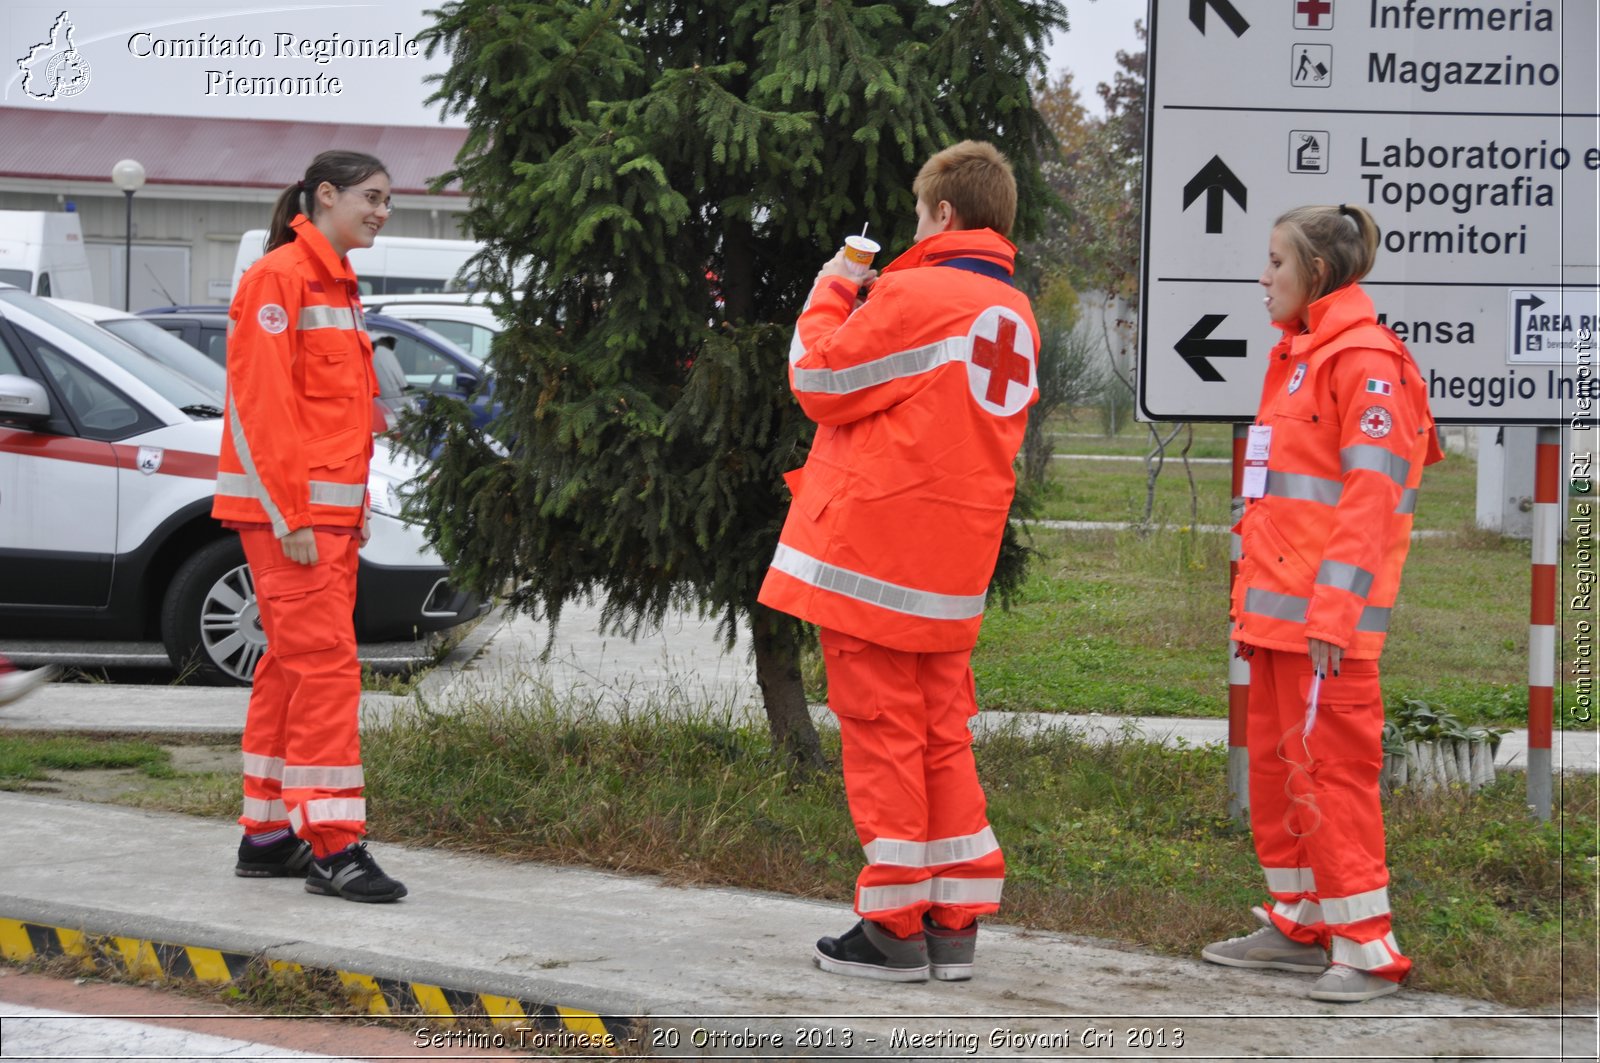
(1524, 306)
(1227, 12)
(1195, 348)
(1214, 179)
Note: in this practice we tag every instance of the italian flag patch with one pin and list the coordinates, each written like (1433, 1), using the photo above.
(1378, 387)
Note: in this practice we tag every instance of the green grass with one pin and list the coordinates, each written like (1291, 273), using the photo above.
(25, 758)
(1126, 841)
(1136, 622)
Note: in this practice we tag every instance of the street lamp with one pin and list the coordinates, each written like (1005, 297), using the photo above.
(128, 175)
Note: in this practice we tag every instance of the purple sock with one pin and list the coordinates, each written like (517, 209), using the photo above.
(271, 837)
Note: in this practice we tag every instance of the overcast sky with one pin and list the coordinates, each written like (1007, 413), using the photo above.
(127, 61)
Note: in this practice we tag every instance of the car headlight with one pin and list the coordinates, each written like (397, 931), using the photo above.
(387, 494)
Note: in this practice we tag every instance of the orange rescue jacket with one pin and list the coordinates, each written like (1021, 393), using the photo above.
(1321, 552)
(298, 437)
(920, 397)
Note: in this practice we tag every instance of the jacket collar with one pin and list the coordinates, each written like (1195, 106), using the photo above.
(316, 247)
(1339, 310)
(958, 243)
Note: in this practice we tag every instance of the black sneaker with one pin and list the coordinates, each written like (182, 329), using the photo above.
(353, 874)
(950, 952)
(288, 857)
(868, 951)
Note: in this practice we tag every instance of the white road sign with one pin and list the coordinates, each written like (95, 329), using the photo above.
(1471, 131)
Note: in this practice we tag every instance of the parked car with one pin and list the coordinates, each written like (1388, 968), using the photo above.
(429, 362)
(108, 461)
(467, 319)
(158, 343)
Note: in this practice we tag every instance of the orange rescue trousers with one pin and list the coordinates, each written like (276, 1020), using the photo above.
(302, 743)
(912, 784)
(1315, 810)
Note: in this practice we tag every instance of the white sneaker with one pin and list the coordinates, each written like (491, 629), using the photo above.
(16, 683)
(1266, 948)
(1343, 984)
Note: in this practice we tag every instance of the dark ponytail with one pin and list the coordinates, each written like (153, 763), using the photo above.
(339, 168)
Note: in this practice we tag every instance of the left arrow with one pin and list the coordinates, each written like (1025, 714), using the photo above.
(1195, 348)
(1214, 179)
(1225, 11)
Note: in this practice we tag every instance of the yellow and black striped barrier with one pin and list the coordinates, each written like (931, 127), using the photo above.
(144, 960)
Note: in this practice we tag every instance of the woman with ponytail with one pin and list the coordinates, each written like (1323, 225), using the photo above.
(292, 480)
(1333, 463)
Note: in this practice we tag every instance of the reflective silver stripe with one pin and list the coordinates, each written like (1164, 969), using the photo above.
(331, 493)
(1408, 502)
(1368, 957)
(1375, 459)
(322, 777)
(1373, 618)
(323, 492)
(1304, 488)
(252, 479)
(1345, 577)
(895, 366)
(328, 810)
(263, 811)
(889, 898)
(313, 317)
(261, 767)
(1358, 907)
(1278, 606)
(842, 581)
(965, 890)
(900, 853)
(1290, 880)
(1303, 912)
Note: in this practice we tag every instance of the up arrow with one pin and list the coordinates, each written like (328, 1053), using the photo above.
(1225, 11)
(1195, 348)
(1214, 179)
(1529, 304)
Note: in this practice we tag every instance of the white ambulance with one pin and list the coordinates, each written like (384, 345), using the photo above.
(108, 461)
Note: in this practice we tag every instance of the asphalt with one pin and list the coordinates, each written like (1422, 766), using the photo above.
(685, 971)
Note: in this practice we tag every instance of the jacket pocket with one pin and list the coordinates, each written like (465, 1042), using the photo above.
(331, 367)
(1271, 553)
(337, 450)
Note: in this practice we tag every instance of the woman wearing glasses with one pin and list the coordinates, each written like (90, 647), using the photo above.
(292, 480)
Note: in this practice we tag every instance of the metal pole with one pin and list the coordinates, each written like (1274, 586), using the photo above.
(1238, 667)
(127, 256)
(1542, 617)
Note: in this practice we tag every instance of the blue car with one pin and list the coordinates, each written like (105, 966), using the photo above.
(430, 363)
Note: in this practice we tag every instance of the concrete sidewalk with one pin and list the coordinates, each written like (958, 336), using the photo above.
(684, 971)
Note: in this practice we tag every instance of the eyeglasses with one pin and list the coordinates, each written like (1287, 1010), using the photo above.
(375, 199)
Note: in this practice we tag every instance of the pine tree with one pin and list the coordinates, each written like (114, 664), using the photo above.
(657, 183)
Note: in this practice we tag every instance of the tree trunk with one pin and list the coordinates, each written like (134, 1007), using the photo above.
(777, 646)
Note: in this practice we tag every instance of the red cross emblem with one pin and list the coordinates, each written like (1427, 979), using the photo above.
(1376, 422)
(1005, 361)
(1308, 14)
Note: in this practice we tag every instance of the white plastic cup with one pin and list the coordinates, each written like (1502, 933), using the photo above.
(858, 255)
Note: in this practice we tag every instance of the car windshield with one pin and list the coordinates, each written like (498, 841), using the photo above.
(171, 385)
(169, 350)
(444, 341)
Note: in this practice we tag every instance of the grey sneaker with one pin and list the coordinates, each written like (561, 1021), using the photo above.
(868, 951)
(1267, 947)
(1350, 985)
(950, 952)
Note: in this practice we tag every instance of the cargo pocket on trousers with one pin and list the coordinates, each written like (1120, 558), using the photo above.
(287, 588)
(850, 685)
(1349, 723)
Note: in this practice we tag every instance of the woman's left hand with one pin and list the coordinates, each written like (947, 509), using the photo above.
(1325, 657)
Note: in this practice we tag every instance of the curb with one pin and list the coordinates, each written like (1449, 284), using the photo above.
(146, 960)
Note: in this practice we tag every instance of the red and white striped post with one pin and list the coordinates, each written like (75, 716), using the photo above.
(1542, 619)
(1238, 667)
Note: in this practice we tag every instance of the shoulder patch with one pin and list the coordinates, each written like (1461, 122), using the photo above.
(1377, 422)
(272, 318)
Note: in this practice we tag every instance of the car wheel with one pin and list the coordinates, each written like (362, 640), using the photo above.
(210, 621)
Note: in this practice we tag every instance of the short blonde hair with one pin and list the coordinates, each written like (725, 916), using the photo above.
(1344, 237)
(976, 180)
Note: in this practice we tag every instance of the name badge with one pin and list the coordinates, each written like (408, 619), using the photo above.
(1257, 451)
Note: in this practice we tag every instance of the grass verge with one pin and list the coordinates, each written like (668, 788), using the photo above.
(1125, 841)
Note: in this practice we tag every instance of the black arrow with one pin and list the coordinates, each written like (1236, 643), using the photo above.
(1531, 303)
(1225, 11)
(1214, 179)
(1195, 348)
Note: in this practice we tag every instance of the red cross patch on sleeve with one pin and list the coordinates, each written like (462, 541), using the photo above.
(1377, 422)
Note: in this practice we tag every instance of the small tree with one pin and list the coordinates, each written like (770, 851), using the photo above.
(656, 184)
